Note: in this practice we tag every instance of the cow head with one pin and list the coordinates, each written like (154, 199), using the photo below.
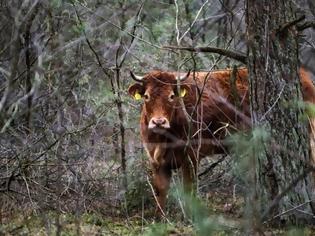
(161, 94)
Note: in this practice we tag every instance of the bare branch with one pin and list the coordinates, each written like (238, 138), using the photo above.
(284, 28)
(212, 166)
(239, 56)
(306, 25)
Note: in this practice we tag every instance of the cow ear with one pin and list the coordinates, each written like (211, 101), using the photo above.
(136, 90)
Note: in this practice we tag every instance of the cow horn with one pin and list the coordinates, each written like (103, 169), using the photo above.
(136, 77)
(184, 77)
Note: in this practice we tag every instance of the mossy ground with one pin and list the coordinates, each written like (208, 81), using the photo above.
(222, 220)
(89, 224)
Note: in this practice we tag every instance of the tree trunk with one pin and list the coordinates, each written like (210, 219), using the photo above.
(274, 92)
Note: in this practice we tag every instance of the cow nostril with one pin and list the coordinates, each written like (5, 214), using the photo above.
(159, 121)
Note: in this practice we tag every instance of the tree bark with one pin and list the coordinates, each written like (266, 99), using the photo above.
(274, 92)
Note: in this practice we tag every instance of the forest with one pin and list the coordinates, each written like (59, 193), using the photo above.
(74, 156)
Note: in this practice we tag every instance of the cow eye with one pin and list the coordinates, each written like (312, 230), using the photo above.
(146, 97)
(171, 97)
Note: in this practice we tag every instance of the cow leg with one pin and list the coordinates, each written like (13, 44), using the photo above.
(161, 182)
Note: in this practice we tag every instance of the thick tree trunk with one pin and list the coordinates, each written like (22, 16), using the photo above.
(274, 92)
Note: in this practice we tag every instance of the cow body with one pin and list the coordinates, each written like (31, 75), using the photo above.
(183, 122)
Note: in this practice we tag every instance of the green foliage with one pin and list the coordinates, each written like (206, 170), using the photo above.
(198, 214)
(56, 3)
(158, 229)
(310, 110)
(246, 149)
(78, 28)
(101, 96)
(296, 232)
(307, 108)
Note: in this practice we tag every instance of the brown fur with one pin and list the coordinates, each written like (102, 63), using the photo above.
(219, 111)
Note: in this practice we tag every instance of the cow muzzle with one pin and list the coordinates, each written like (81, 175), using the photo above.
(159, 122)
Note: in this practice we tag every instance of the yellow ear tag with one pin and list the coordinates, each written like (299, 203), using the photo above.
(183, 93)
(137, 95)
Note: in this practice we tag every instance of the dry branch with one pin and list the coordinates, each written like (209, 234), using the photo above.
(239, 56)
(306, 25)
(288, 25)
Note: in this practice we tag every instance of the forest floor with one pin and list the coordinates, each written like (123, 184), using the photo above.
(219, 210)
(220, 223)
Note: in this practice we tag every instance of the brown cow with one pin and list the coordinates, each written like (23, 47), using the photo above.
(177, 136)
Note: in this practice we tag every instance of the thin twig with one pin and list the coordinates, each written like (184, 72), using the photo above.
(289, 210)
(277, 199)
(121, 29)
(157, 202)
(193, 23)
(176, 22)
(273, 105)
